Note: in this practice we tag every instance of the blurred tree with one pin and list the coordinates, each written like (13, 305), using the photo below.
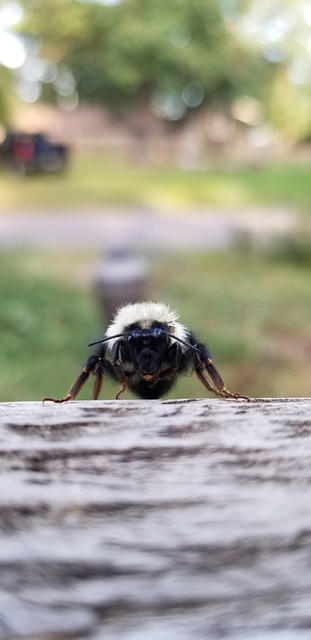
(176, 55)
(291, 116)
(6, 95)
(280, 32)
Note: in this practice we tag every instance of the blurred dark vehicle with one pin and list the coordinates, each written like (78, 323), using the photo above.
(24, 153)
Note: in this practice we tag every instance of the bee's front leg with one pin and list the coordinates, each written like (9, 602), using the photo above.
(205, 363)
(91, 366)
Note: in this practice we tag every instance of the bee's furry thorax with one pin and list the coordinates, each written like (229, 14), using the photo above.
(145, 314)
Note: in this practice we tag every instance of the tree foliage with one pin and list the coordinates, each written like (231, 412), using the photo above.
(6, 95)
(139, 50)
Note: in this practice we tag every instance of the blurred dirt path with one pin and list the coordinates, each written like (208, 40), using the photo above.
(110, 227)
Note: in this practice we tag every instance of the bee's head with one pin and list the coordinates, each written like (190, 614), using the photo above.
(146, 348)
(146, 331)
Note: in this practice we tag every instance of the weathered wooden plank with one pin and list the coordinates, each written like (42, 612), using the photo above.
(156, 520)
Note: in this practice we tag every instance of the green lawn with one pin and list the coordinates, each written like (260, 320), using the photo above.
(95, 179)
(252, 309)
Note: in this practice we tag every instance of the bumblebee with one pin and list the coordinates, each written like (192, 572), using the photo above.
(146, 349)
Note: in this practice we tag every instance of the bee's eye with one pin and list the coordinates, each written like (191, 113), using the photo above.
(134, 334)
(156, 332)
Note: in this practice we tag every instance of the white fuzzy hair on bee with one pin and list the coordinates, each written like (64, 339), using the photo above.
(145, 349)
(145, 314)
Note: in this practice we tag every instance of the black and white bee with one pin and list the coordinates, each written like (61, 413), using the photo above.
(146, 349)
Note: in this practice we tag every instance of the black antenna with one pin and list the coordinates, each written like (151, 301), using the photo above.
(118, 335)
(190, 346)
(127, 333)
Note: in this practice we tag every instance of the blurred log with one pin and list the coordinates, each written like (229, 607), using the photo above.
(163, 520)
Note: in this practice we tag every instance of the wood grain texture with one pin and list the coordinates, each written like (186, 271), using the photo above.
(156, 520)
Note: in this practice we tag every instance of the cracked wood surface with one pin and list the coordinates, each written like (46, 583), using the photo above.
(156, 520)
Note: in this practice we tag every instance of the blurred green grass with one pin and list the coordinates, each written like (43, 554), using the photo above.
(251, 307)
(97, 179)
